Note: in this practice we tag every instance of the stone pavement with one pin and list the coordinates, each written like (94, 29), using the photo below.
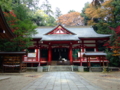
(3, 77)
(61, 81)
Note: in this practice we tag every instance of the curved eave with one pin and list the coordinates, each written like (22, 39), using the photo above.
(60, 40)
(13, 53)
(4, 26)
(103, 36)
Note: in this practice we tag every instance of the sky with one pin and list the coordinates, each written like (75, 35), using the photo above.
(67, 5)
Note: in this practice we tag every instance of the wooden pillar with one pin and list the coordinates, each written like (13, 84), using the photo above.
(100, 60)
(49, 55)
(36, 54)
(31, 64)
(70, 55)
(96, 46)
(89, 62)
(103, 61)
(83, 46)
(80, 56)
(39, 57)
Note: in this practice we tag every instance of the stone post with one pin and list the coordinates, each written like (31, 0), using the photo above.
(80, 68)
(39, 69)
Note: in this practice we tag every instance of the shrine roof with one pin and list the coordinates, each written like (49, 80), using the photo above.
(79, 32)
(5, 31)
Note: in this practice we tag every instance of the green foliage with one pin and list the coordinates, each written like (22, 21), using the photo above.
(57, 12)
(102, 27)
(5, 4)
(46, 6)
(86, 18)
(42, 19)
(71, 11)
(114, 60)
(51, 21)
(23, 28)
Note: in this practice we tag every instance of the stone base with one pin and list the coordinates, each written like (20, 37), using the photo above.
(39, 69)
(80, 68)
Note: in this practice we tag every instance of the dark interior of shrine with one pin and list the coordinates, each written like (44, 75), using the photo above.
(59, 53)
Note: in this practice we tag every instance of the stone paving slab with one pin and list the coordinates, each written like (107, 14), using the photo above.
(61, 81)
(4, 78)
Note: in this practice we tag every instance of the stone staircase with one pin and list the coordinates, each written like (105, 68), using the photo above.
(60, 68)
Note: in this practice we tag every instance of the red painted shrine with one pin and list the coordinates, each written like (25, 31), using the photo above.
(52, 45)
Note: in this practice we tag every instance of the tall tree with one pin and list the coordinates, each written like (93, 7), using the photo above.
(42, 19)
(71, 19)
(46, 6)
(58, 12)
(5, 4)
(71, 11)
(97, 3)
(83, 14)
(101, 17)
(108, 15)
(33, 4)
(22, 26)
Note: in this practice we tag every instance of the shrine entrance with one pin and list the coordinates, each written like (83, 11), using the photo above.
(59, 53)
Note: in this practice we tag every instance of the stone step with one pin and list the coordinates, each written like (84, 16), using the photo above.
(60, 68)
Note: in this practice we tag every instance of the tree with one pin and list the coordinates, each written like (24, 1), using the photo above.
(71, 19)
(23, 28)
(33, 4)
(101, 17)
(83, 14)
(51, 21)
(58, 12)
(5, 4)
(71, 11)
(42, 19)
(97, 3)
(47, 8)
(114, 45)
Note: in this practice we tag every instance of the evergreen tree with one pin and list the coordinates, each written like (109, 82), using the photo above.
(22, 26)
(83, 14)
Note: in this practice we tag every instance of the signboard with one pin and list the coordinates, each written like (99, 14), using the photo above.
(31, 54)
(80, 55)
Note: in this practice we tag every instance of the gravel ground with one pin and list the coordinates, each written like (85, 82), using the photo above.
(18, 80)
(107, 81)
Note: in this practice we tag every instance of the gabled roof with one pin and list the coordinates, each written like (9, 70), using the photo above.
(5, 31)
(79, 32)
(59, 29)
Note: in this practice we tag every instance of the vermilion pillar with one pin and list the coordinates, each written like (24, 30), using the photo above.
(82, 46)
(80, 56)
(70, 54)
(96, 46)
(49, 55)
(36, 54)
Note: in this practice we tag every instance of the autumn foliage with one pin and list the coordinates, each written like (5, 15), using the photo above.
(11, 20)
(105, 12)
(114, 42)
(71, 19)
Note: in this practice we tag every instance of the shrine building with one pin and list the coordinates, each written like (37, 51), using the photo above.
(71, 44)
